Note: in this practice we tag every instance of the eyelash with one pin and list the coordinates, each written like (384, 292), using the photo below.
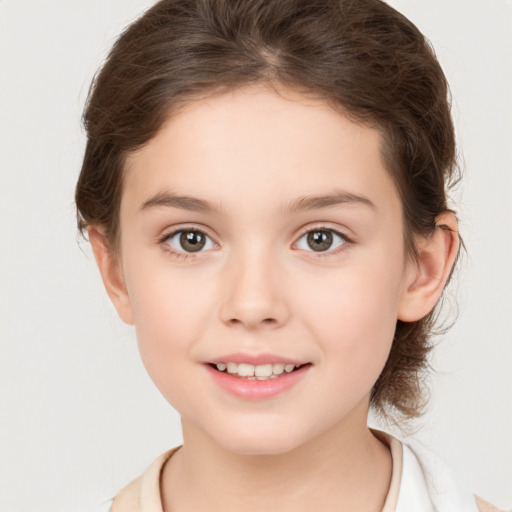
(322, 254)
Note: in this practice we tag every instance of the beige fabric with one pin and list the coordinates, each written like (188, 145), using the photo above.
(143, 493)
(395, 446)
(484, 506)
(128, 498)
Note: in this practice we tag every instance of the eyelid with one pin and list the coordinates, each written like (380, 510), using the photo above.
(325, 226)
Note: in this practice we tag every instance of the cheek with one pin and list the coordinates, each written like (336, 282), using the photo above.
(355, 317)
(168, 320)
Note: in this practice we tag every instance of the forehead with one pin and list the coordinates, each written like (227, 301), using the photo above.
(258, 148)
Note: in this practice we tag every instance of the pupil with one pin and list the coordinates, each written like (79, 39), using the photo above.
(192, 241)
(320, 240)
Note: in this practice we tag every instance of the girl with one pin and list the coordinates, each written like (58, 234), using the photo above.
(264, 190)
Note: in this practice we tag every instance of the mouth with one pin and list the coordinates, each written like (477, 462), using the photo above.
(267, 371)
(256, 377)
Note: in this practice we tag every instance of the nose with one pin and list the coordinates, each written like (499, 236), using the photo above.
(254, 292)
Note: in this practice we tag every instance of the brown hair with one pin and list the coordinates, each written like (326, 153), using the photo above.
(361, 56)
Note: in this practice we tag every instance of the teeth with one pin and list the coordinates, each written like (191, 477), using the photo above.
(277, 368)
(263, 370)
(245, 370)
(259, 372)
(232, 368)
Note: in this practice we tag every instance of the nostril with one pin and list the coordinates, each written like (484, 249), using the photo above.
(265, 321)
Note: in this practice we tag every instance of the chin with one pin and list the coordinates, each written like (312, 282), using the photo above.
(260, 446)
(263, 439)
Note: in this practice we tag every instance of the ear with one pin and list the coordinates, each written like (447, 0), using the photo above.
(427, 276)
(112, 274)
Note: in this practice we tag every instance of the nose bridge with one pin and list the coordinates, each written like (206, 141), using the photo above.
(254, 294)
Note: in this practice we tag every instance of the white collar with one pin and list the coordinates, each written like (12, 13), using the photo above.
(428, 485)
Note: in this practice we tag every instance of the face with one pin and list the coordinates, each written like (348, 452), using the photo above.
(260, 233)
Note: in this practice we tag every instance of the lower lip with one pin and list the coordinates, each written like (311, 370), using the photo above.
(257, 389)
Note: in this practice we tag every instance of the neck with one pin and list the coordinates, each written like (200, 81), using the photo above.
(345, 468)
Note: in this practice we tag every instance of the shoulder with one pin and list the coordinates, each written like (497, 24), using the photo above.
(484, 506)
(128, 498)
(143, 493)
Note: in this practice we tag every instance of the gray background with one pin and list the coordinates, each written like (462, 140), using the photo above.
(78, 415)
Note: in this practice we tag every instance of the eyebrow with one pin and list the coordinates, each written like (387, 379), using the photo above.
(303, 203)
(172, 200)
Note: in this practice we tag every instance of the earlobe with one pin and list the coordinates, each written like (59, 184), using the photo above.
(427, 276)
(111, 274)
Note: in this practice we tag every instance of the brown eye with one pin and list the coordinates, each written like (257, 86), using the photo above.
(189, 241)
(321, 240)
(192, 241)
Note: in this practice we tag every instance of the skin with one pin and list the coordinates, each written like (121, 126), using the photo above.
(257, 287)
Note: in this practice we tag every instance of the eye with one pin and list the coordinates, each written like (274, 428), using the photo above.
(322, 240)
(188, 241)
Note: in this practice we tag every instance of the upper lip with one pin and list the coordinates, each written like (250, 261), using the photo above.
(257, 359)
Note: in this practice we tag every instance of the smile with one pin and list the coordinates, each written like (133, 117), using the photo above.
(256, 381)
(256, 372)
